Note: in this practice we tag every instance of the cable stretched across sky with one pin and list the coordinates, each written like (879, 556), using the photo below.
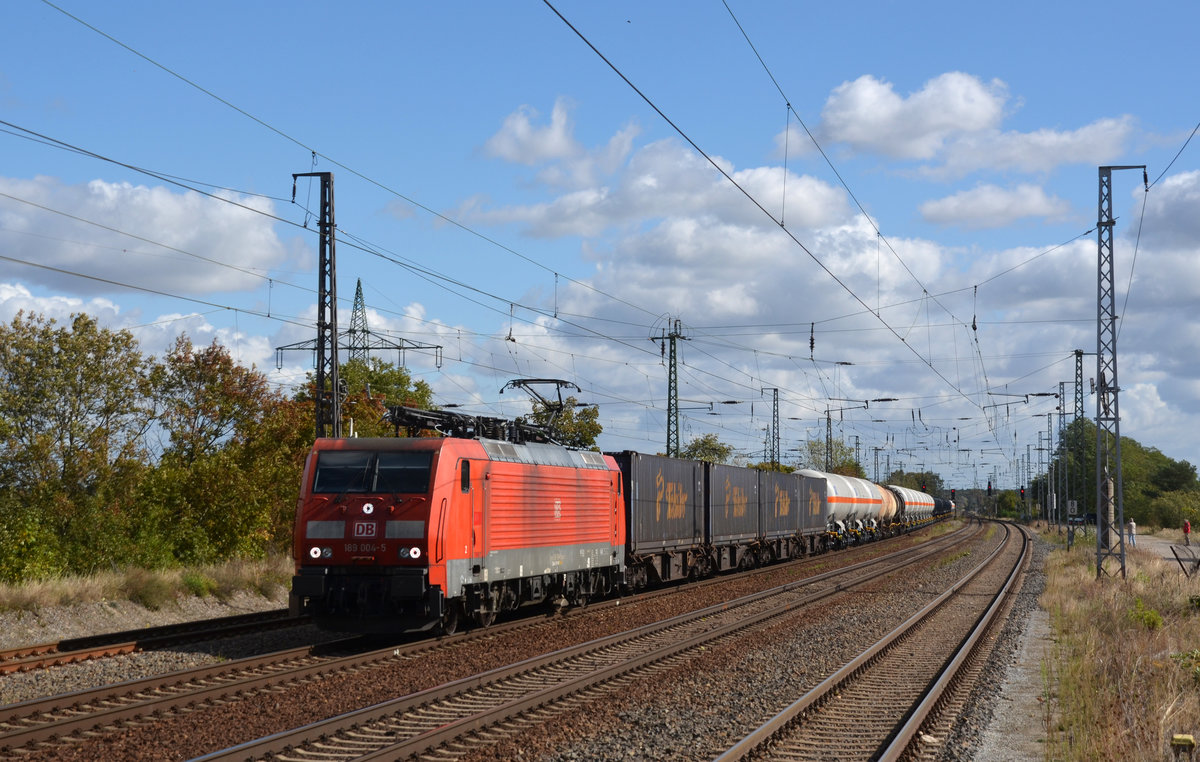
(503, 123)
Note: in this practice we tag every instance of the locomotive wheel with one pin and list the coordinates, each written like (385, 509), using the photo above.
(450, 619)
(486, 618)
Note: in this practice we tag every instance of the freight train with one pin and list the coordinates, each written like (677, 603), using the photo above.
(411, 533)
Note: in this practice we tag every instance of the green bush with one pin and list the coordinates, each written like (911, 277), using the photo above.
(1190, 661)
(199, 584)
(29, 547)
(1148, 618)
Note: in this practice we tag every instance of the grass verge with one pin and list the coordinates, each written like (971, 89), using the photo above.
(153, 589)
(1124, 669)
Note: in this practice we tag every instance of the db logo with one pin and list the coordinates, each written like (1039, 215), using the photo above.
(364, 529)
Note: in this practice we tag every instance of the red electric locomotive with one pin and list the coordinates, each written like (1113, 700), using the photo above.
(407, 534)
(411, 533)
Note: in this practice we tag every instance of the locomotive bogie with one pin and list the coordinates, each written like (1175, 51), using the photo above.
(348, 599)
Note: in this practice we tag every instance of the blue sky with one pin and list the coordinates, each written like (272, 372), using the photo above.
(495, 177)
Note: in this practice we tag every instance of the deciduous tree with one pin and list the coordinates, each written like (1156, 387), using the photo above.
(707, 447)
(575, 425)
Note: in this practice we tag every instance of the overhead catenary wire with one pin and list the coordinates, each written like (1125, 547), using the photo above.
(362, 176)
(564, 334)
(717, 165)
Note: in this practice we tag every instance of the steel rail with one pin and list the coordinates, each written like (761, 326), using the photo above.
(777, 726)
(446, 728)
(74, 650)
(931, 705)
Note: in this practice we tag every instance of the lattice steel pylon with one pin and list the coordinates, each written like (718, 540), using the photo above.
(1110, 500)
(773, 442)
(327, 398)
(1078, 384)
(667, 339)
(1080, 475)
(328, 387)
(1062, 477)
(359, 350)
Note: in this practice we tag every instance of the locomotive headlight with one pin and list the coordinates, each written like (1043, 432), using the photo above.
(326, 552)
(314, 553)
(368, 508)
(415, 553)
(404, 552)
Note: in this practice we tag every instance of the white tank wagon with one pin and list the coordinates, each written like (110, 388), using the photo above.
(849, 502)
(914, 506)
(889, 512)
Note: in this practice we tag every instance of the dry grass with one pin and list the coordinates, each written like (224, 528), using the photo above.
(1125, 671)
(152, 589)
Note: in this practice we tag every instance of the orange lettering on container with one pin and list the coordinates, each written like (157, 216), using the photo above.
(783, 502)
(674, 495)
(735, 496)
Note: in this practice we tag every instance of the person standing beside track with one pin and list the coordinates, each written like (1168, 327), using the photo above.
(1132, 534)
(1187, 532)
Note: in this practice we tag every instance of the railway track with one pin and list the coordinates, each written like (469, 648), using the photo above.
(74, 650)
(76, 718)
(898, 696)
(442, 721)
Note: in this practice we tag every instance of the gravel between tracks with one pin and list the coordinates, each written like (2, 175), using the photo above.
(51, 624)
(697, 711)
(701, 708)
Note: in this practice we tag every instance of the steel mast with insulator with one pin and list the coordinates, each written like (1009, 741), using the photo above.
(667, 339)
(327, 397)
(1110, 502)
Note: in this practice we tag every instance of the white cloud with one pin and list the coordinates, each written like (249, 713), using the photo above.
(870, 116)
(147, 237)
(1171, 218)
(1042, 150)
(665, 180)
(954, 121)
(562, 161)
(520, 141)
(990, 206)
(16, 297)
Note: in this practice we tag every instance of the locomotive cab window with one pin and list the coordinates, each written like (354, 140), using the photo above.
(465, 483)
(342, 471)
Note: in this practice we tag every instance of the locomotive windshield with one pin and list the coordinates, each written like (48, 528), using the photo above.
(341, 471)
